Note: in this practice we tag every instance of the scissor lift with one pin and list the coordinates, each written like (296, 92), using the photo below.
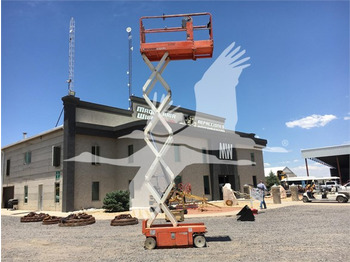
(174, 234)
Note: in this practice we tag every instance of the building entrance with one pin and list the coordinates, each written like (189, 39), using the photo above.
(222, 181)
(7, 194)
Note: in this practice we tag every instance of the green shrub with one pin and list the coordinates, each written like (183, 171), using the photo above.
(116, 201)
(271, 180)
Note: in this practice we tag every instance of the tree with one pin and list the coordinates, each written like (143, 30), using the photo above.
(116, 201)
(271, 180)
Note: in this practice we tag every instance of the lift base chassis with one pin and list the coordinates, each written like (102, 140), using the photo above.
(168, 236)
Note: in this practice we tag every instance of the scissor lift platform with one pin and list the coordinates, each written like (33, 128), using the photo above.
(174, 234)
(178, 50)
(166, 235)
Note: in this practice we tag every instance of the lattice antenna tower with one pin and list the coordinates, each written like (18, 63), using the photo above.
(70, 80)
(129, 72)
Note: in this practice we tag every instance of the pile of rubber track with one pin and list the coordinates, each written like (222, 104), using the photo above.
(34, 217)
(80, 219)
(124, 220)
(51, 220)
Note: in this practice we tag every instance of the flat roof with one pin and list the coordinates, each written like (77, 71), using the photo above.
(35, 136)
(326, 151)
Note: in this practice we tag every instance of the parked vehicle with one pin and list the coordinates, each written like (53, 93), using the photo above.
(320, 182)
(345, 187)
(329, 185)
(326, 196)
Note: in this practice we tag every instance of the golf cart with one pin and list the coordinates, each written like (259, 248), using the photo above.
(325, 196)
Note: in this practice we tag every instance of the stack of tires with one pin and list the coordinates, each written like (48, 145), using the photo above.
(80, 219)
(124, 220)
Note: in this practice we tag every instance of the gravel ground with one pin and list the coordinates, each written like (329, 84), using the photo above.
(294, 233)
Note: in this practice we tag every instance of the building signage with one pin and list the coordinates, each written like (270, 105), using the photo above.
(209, 125)
(225, 151)
(147, 113)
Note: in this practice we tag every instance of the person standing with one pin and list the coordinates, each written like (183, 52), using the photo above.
(262, 188)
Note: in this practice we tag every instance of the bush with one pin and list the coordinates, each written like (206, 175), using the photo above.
(116, 201)
(271, 180)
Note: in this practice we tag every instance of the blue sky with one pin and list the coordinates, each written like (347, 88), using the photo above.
(295, 94)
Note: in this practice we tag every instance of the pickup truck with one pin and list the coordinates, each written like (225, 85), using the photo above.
(329, 184)
(345, 187)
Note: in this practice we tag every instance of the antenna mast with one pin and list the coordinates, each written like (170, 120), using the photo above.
(70, 80)
(128, 30)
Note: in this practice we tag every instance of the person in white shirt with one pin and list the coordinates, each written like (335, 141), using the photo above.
(263, 188)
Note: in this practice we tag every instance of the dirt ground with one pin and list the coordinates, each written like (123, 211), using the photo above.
(290, 231)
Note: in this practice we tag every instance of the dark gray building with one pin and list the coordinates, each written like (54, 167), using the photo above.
(100, 149)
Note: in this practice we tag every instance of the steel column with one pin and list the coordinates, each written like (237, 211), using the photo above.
(307, 168)
(339, 172)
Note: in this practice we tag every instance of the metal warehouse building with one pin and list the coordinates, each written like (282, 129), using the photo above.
(337, 158)
(100, 149)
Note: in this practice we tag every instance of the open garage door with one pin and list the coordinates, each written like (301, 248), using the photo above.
(7, 193)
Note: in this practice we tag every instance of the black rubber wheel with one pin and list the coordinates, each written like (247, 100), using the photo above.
(199, 241)
(305, 199)
(341, 199)
(150, 243)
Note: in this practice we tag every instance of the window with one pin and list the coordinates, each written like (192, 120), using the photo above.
(95, 191)
(131, 153)
(204, 155)
(27, 157)
(206, 185)
(255, 181)
(58, 175)
(25, 194)
(252, 158)
(8, 165)
(57, 192)
(95, 152)
(56, 156)
(177, 153)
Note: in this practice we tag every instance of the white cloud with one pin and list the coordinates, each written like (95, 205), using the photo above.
(346, 117)
(311, 121)
(267, 164)
(275, 150)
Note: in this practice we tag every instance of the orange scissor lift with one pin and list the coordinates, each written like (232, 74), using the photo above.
(174, 234)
